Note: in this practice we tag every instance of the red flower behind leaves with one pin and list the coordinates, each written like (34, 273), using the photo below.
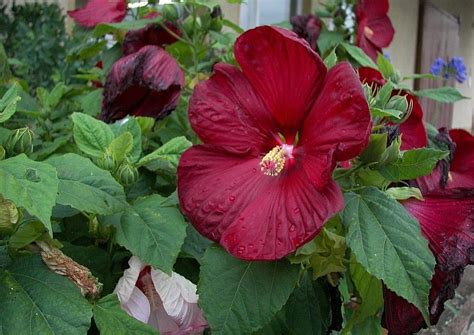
(99, 11)
(152, 34)
(374, 28)
(145, 83)
(261, 184)
(413, 130)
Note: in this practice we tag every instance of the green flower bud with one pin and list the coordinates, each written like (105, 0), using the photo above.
(2, 152)
(107, 162)
(170, 12)
(127, 174)
(398, 103)
(216, 25)
(21, 142)
(8, 216)
(188, 25)
(93, 226)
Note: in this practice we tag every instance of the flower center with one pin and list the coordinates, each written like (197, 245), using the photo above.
(274, 161)
(368, 32)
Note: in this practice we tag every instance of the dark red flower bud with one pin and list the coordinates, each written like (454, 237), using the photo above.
(307, 27)
(145, 83)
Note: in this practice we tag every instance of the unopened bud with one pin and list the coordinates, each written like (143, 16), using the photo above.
(170, 12)
(107, 162)
(127, 174)
(8, 216)
(66, 266)
(398, 103)
(21, 141)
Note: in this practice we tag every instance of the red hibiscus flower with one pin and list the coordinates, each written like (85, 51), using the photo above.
(460, 176)
(145, 83)
(413, 130)
(447, 222)
(99, 11)
(374, 28)
(307, 27)
(152, 34)
(260, 184)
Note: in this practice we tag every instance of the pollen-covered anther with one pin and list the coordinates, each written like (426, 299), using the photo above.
(273, 162)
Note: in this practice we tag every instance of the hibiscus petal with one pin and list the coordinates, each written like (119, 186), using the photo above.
(448, 224)
(214, 187)
(462, 166)
(126, 283)
(371, 76)
(225, 111)
(413, 130)
(283, 70)
(99, 11)
(383, 31)
(286, 215)
(372, 8)
(179, 300)
(137, 306)
(146, 83)
(369, 48)
(339, 122)
(160, 320)
(152, 34)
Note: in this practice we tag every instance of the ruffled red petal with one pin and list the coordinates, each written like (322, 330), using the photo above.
(146, 83)
(383, 31)
(462, 166)
(371, 76)
(448, 224)
(413, 130)
(152, 34)
(254, 216)
(226, 111)
(372, 8)
(365, 44)
(99, 11)
(339, 122)
(285, 72)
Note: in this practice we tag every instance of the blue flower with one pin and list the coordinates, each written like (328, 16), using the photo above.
(437, 68)
(458, 69)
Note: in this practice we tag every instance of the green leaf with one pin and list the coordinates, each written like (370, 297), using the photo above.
(329, 40)
(85, 187)
(107, 28)
(132, 126)
(388, 243)
(442, 94)
(404, 193)
(385, 67)
(152, 231)
(54, 97)
(358, 55)
(92, 136)
(413, 164)
(421, 76)
(239, 297)
(375, 149)
(26, 233)
(35, 300)
(308, 310)
(91, 102)
(331, 59)
(111, 319)
(232, 26)
(30, 185)
(167, 156)
(121, 146)
(382, 112)
(8, 103)
(110, 56)
(383, 95)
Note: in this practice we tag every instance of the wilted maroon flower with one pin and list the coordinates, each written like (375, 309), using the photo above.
(447, 222)
(99, 11)
(273, 131)
(413, 130)
(145, 83)
(152, 34)
(374, 28)
(307, 27)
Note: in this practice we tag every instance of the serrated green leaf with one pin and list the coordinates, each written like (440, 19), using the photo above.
(26, 233)
(8, 103)
(112, 320)
(85, 187)
(382, 112)
(35, 300)
(91, 135)
(107, 28)
(308, 310)
(152, 231)
(388, 243)
(329, 40)
(121, 146)
(91, 102)
(413, 164)
(132, 126)
(240, 297)
(383, 95)
(358, 55)
(331, 59)
(385, 67)
(30, 185)
(54, 97)
(167, 156)
(441, 94)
